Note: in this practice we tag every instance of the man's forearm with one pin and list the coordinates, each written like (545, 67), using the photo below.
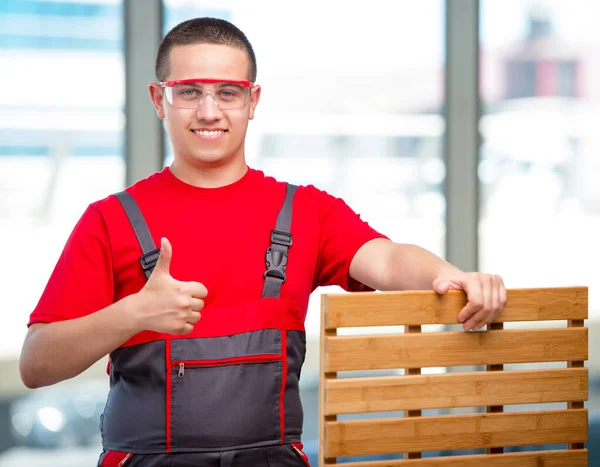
(62, 350)
(384, 265)
(411, 267)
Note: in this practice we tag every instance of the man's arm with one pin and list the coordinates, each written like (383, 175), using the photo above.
(384, 265)
(57, 351)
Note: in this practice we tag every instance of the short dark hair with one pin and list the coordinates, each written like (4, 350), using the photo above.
(203, 31)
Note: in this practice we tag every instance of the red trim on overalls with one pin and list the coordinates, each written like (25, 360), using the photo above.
(264, 358)
(283, 383)
(168, 396)
(116, 459)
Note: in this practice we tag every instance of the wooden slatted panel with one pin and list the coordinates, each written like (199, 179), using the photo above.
(395, 393)
(530, 459)
(347, 353)
(427, 307)
(487, 431)
(365, 437)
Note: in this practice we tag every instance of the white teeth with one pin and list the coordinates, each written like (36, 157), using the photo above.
(208, 133)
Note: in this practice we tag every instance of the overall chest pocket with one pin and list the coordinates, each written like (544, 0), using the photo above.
(232, 396)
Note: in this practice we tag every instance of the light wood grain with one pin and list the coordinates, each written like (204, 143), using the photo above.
(418, 392)
(387, 436)
(577, 458)
(578, 323)
(324, 379)
(427, 307)
(495, 408)
(347, 353)
(491, 389)
(412, 371)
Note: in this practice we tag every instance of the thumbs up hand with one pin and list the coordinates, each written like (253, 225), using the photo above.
(165, 304)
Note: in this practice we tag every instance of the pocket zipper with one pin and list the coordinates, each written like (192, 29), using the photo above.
(224, 362)
(298, 448)
(125, 459)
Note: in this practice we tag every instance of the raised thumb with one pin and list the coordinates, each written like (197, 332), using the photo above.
(164, 260)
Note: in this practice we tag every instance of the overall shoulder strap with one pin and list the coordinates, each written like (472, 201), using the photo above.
(277, 254)
(140, 227)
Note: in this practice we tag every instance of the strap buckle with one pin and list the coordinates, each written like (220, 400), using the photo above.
(281, 238)
(149, 260)
(276, 262)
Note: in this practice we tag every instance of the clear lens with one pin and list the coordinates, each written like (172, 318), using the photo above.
(193, 95)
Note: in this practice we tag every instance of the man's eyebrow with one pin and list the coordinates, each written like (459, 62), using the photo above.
(227, 83)
(192, 84)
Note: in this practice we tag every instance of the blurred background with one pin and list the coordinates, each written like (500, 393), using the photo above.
(467, 127)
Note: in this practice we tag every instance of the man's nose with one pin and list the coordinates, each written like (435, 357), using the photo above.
(208, 108)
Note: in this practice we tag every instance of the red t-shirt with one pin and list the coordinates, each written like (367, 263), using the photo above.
(219, 237)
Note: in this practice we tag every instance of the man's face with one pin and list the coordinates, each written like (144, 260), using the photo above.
(206, 136)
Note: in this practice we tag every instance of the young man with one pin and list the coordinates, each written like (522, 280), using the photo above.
(219, 388)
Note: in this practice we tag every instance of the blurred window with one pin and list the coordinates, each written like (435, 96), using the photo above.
(539, 162)
(61, 134)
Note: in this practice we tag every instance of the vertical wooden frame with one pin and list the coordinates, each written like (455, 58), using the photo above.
(575, 364)
(323, 378)
(412, 371)
(495, 408)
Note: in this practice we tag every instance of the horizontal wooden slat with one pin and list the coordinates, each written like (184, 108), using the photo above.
(387, 436)
(578, 458)
(427, 307)
(347, 353)
(417, 392)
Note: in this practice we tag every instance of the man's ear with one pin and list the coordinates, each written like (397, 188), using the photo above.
(156, 95)
(254, 98)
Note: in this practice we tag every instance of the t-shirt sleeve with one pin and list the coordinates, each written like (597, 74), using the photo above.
(82, 280)
(343, 232)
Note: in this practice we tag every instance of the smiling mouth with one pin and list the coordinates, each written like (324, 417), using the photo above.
(209, 132)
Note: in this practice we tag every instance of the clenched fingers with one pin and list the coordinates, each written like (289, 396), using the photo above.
(193, 317)
(196, 289)
(487, 298)
(196, 304)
